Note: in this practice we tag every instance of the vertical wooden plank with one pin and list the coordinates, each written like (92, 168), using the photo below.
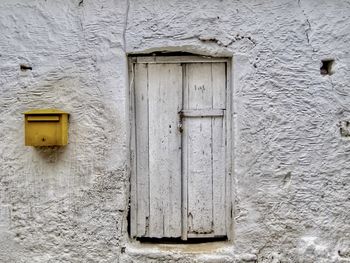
(133, 196)
(184, 157)
(219, 169)
(165, 101)
(219, 183)
(218, 76)
(199, 151)
(199, 86)
(199, 171)
(142, 157)
(229, 130)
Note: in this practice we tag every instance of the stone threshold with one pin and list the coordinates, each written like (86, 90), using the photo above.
(213, 252)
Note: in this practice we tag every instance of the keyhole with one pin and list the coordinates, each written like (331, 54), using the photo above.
(43, 139)
(179, 126)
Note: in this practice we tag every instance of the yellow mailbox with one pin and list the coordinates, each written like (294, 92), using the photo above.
(46, 127)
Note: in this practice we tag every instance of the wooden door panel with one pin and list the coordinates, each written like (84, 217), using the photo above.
(219, 175)
(142, 152)
(165, 100)
(198, 138)
(180, 178)
(158, 99)
(204, 149)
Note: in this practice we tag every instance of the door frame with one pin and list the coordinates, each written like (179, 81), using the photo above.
(229, 131)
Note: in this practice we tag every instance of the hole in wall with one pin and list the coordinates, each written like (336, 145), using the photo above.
(24, 67)
(344, 128)
(327, 67)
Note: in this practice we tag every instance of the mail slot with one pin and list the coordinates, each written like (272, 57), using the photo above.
(46, 127)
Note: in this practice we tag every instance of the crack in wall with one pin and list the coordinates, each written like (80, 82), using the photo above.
(219, 43)
(309, 28)
(126, 24)
(215, 40)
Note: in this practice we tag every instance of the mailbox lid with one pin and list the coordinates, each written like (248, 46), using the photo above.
(45, 112)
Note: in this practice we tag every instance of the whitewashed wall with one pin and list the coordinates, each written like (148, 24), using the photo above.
(292, 165)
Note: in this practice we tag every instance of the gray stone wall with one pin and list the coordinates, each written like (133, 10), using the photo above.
(292, 148)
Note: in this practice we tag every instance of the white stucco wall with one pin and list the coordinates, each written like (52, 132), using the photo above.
(292, 168)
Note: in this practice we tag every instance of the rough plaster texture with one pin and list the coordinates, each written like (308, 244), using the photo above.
(292, 169)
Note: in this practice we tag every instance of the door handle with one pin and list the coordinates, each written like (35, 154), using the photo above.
(179, 125)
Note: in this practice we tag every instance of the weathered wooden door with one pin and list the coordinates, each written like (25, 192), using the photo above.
(179, 182)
